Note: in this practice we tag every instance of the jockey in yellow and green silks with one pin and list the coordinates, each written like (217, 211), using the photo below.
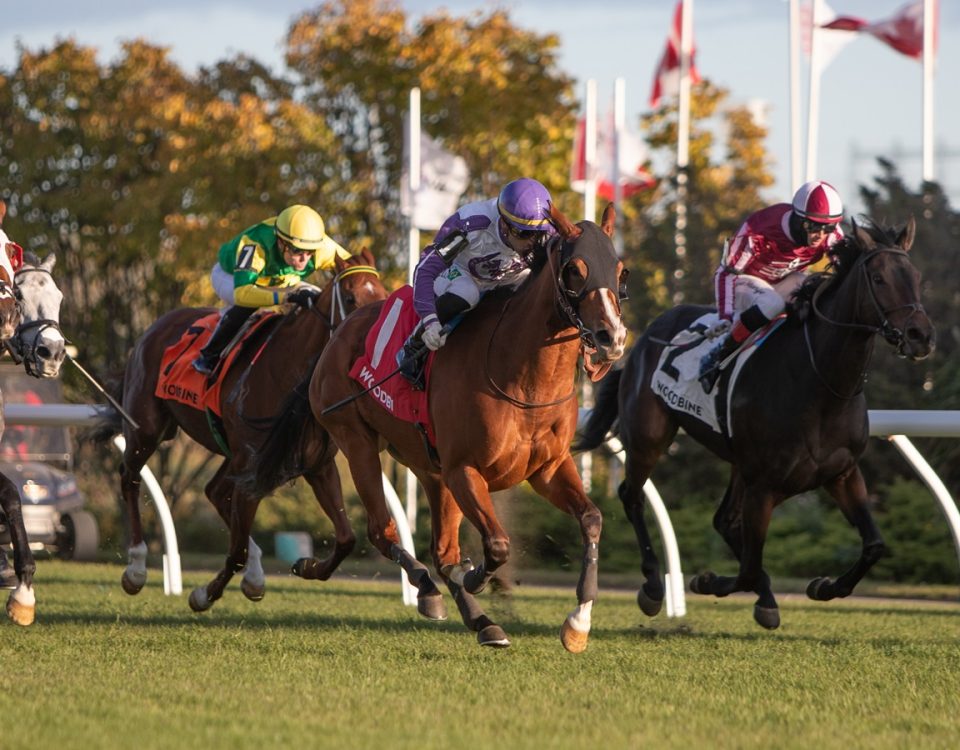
(262, 267)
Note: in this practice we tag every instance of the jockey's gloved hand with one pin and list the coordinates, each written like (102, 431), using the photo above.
(303, 295)
(433, 334)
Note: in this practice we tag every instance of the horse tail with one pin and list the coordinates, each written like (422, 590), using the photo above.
(602, 416)
(109, 423)
(279, 458)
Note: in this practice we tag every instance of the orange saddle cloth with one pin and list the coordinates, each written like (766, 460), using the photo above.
(384, 341)
(178, 380)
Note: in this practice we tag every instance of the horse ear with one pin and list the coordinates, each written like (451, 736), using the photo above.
(608, 221)
(566, 228)
(49, 262)
(863, 237)
(368, 257)
(339, 263)
(907, 234)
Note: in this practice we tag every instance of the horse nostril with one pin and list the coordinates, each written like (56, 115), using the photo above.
(603, 338)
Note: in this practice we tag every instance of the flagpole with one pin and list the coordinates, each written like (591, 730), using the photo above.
(619, 123)
(813, 105)
(795, 161)
(590, 152)
(413, 255)
(683, 141)
(929, 9)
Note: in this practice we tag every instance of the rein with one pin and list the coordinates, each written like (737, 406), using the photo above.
(573, 319)
(890, 333)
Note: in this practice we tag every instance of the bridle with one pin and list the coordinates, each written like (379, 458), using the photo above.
(17, 346)
(337, 305)
(891, 334)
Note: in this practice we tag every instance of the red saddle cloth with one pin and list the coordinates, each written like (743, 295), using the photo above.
(178, 380)
(385, 339)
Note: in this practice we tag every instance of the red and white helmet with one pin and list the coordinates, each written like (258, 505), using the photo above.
(818, 201)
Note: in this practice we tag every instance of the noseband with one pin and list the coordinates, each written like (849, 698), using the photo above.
(19, 350)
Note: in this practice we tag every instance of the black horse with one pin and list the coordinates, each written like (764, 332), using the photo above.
(797, 415)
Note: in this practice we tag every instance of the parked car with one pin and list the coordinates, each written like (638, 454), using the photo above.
(53, 512)
(38, 460)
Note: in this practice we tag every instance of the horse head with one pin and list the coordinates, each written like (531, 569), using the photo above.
(38, 340)
(9, 307)
(356, 283)
(591, 284)
(892, 282)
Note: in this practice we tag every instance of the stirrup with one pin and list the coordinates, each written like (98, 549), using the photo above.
(204, 365)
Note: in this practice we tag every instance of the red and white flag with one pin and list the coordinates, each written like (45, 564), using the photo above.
(633, 156)
(666, 81)
(903, 30)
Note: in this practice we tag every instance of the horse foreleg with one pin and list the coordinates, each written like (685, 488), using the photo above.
(21, 604)
(445, 519)
(850, 492)
(326, 488)
(254, 582)
(564, 489)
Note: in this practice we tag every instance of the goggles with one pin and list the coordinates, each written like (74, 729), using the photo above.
(521, 234)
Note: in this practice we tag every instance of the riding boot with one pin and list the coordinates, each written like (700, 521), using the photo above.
(412, 359)
(710, 364)
(230, 322)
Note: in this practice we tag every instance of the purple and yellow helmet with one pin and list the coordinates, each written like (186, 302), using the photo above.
(525, 205)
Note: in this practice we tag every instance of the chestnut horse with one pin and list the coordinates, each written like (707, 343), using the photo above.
(251, 396)
(798, 414)
(38, 343)
(502, 401)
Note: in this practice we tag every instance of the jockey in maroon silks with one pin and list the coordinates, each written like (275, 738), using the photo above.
(764, 264)
(483, 246)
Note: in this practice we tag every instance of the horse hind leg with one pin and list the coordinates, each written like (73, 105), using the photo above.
(21, 604)
(325, 484)
(850, 493)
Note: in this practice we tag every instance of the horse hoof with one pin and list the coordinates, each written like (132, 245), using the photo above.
(253, 592)
(767, 617)
(198, 600)
(701, 584)
(20, 614)
(432, 607)
(132, 584)
(816, 589)
(573, 640)
(493, 636)
(648, 605)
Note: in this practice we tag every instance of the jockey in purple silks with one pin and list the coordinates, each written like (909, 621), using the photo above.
(483, 246)
(764, 264)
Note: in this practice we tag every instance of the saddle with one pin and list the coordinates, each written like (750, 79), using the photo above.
(179, 382)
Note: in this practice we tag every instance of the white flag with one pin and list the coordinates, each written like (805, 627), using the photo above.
(443, 178)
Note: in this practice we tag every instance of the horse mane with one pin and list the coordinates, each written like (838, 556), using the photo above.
(844, 257)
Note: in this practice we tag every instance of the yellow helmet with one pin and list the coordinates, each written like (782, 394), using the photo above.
(303, 228)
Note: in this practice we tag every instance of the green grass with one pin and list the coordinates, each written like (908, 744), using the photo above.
(344, 664)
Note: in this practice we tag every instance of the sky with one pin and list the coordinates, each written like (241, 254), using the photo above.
(871, 95)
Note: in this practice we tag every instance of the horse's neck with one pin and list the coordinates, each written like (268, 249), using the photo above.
(842, 352)
(533, 340)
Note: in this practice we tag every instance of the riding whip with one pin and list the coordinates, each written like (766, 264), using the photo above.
(111, 399)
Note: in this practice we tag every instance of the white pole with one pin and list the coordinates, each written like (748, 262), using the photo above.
(408, 590)
(590, 152)
(413, 170)
(410, 490)
(795, 163)
(813, 108)
(683, 111)
(929, 21)
(619, 123)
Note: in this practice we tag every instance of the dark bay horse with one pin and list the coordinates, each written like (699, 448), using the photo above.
(39, 345)
(503, 406)
(250, 397)
(798, 414)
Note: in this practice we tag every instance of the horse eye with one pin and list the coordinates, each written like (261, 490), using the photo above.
(877, 279)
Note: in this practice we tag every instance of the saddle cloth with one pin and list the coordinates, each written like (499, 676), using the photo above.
(676, 381)
(178, 380)
(384, 341)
